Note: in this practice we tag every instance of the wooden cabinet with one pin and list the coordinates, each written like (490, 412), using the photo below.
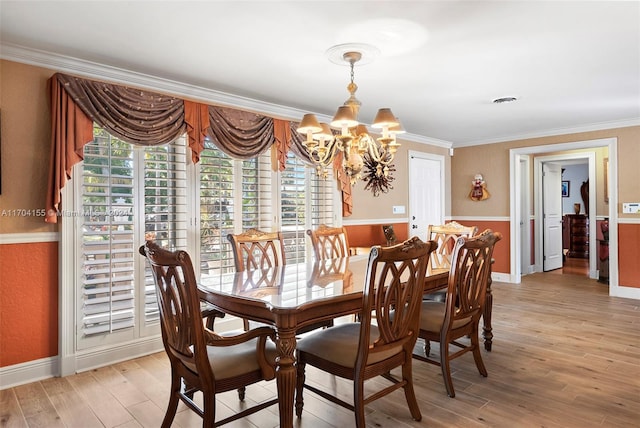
(578, 225)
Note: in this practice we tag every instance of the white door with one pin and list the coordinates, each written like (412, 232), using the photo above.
(426, 192)
(552, 215)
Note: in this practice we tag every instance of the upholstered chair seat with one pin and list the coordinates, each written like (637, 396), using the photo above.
(339, 345)
(237, 360)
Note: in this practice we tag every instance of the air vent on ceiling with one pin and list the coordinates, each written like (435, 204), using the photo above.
(504, 100)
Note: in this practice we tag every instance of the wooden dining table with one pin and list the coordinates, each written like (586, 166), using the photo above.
(292, 297)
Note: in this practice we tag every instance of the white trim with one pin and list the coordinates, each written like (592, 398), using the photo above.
(31, 371)
(626, 292)
(539, 214)
(111, 354)
(629, 221)
(28, 238)
(66, 293)
(376, 221)
(515, 195)
(88, 69)
(500, 277)
(624, 123)
(478, 218)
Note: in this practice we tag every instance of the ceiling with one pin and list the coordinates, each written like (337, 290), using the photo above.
(572, 65)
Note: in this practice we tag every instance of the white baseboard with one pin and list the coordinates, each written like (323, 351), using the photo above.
(500, 277)
(31, 371)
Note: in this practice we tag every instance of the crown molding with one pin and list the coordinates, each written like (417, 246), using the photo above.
(97, 71)
(625, 123)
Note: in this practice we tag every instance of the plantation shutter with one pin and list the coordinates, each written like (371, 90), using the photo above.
(293, 207)
(107, 278)
(216, 211)
(165, 207)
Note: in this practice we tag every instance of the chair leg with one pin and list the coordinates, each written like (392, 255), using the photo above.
(241, 393)
(358, 401)
(209, 407)
(427, 348)
(172, 407)
(477, 355)
(446, 368)
(300, 378)
(409, 392)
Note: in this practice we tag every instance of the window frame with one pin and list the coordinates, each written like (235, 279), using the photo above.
(73, 359)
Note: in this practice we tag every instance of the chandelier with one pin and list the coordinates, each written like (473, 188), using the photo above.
(354, 140)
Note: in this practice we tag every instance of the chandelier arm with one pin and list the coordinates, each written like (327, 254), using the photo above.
(329, 156)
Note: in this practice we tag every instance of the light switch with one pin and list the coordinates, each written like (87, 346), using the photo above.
(631, 207)
(398, 209)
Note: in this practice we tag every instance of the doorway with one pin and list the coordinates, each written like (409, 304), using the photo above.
(542, 166)
(426, 192)
(518, 161)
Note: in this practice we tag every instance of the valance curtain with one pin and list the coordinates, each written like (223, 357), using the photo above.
(344, 182)
(147, 118)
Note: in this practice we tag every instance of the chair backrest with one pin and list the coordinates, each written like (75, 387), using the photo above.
(329, 242)
(468, 278)
(445, 236)
(393, 292)
(255, 249)
(180, 318)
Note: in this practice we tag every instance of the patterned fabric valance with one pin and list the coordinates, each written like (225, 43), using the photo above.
(147, 118)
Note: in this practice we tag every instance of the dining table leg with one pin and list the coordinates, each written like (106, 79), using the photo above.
(286, 375)
(487, 329)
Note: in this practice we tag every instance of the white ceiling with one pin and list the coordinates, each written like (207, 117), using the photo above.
(573, 65)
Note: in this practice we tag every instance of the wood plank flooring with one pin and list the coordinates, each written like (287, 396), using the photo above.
(565, 354)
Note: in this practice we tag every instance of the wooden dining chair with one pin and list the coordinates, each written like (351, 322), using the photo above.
(445, 236)
(202, 360)
(363, 350)
(329, 242)
(256, 249)
(459, 315)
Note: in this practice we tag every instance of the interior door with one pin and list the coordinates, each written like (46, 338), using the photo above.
(426, 192)
(552, 215)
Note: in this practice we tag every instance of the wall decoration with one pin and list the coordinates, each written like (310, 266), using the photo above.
(479, 190)
(377, 180)
(565, 188)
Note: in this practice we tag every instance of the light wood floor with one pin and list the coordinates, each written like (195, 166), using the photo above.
(564, 355)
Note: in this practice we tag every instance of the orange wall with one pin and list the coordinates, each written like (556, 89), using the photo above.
(368, 235)
(29, 296)
(501, 251)
(629, 254)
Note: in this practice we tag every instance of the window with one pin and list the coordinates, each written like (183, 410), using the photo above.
(127, 193)
(113, 174)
